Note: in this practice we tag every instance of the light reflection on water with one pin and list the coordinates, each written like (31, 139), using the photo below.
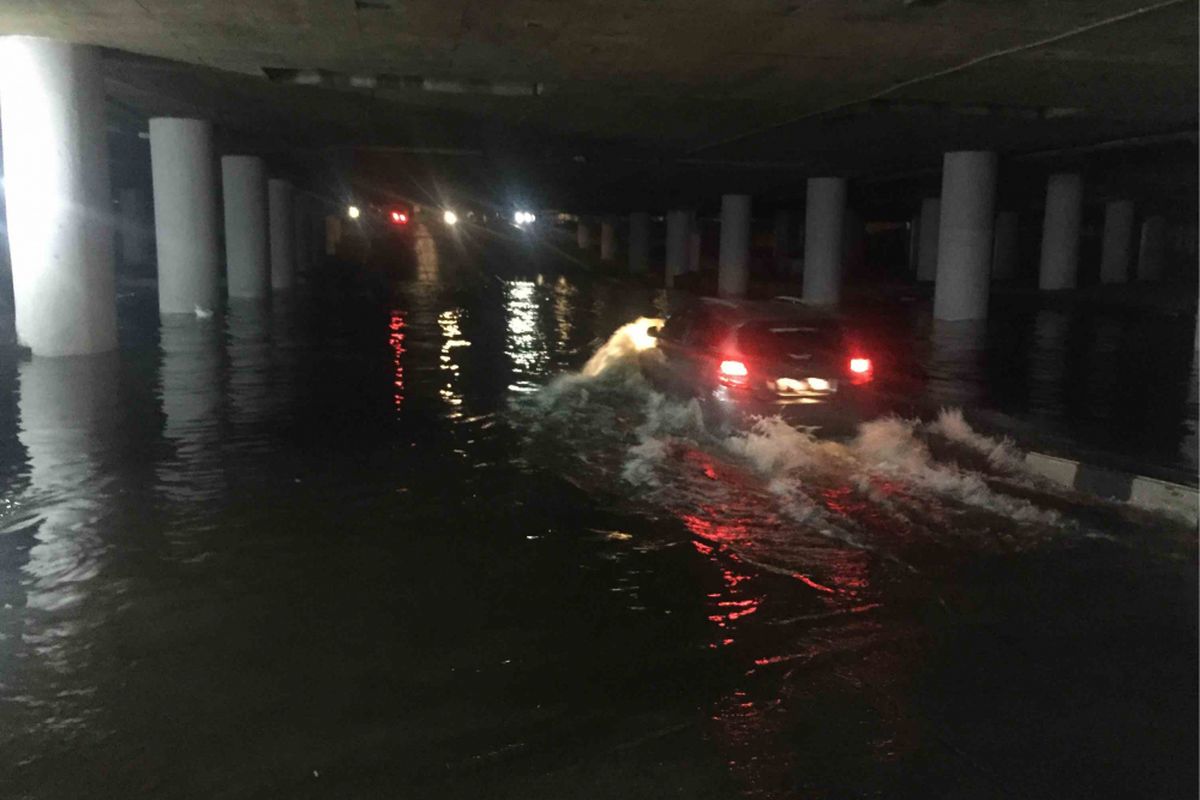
(323, 538)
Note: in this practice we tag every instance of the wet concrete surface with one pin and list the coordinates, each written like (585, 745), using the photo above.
(386, 539)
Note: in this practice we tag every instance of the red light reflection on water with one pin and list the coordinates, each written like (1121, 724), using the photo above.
(396, 342)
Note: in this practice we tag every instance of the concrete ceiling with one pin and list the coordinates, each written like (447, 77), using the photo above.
(625, 102)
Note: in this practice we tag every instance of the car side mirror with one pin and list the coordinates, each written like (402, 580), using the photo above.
(652, 331)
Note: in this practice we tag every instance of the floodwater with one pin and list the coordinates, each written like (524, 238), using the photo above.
(436, 538)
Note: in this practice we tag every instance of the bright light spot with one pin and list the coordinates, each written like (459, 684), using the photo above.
(353, 213)
(734, 369)
(818, 384)
(524, 218)
(450, 217)
(860, 365)
(640, 334)
(399, 217)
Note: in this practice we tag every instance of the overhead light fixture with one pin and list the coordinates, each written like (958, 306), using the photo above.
(353, 212)
(449, 217)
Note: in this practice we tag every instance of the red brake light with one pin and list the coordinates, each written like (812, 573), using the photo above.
(861, 369)
(399, 218)
(733, 373)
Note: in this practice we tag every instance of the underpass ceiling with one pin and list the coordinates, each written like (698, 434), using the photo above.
(662, 100)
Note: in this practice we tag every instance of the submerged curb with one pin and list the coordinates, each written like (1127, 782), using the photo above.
(1136, 490)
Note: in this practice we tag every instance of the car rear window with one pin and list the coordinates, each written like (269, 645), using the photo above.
(778, 339)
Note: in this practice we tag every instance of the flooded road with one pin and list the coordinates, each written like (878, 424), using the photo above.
(441, 540)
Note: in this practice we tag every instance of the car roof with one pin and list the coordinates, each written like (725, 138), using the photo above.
(737, 312)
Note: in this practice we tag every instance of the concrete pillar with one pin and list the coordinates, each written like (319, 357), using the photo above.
(185, 215)
(1005, 247)
(733, 260)
(279, 210)
(1118, 242)
(137, 221)
(608, 240)
(1152, 254)
(57, 196)
(824, 222)
(639, 242)
(1060, 231)
(679, 233)
(927, 238)
(965, 235)
(247, 248)
(583, 235)
(301, 249)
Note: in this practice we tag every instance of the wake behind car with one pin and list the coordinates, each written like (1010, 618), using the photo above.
(746, 358)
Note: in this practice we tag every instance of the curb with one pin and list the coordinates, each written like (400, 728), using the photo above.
(1136, 490)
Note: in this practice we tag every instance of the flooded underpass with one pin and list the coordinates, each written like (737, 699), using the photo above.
(439, 538)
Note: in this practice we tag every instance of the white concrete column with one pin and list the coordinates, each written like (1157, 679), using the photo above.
(57, 196)
(824, 222)
(137, 222)
(1118, 242)
(301, 249)
(1152, 253)
(279, 210)
(247, 252)
(639, 242)
(927, 238)
(679, 233)
(733, 263)
(185, 215)
(583, 235)
(968, 206)
(1005, 247)
(608, 240)
(1060, 231)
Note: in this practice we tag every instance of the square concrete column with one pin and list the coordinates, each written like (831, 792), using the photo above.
(968, 205)
(639, 242)
(824, 234)
(279, 210)
(1152, 254)
(733, 264)
(185, 215)
(679, 233)
(1060, 231)
(57, 196)
(1005, 247)
(1117, 248)
(608, 240)
(927, 238)
(583, 235)
(247, 248)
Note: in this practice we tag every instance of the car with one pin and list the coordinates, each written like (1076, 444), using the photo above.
(743, 359)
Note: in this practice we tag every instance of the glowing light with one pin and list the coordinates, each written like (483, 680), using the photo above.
(399, 218)
(860, 365)
(524, 218)
(449, 217)
(734, 369)
(353, 212)
(818, 384)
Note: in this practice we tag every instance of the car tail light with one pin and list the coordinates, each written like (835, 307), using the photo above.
(733, 373)
(861, 369)
(399, 218)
